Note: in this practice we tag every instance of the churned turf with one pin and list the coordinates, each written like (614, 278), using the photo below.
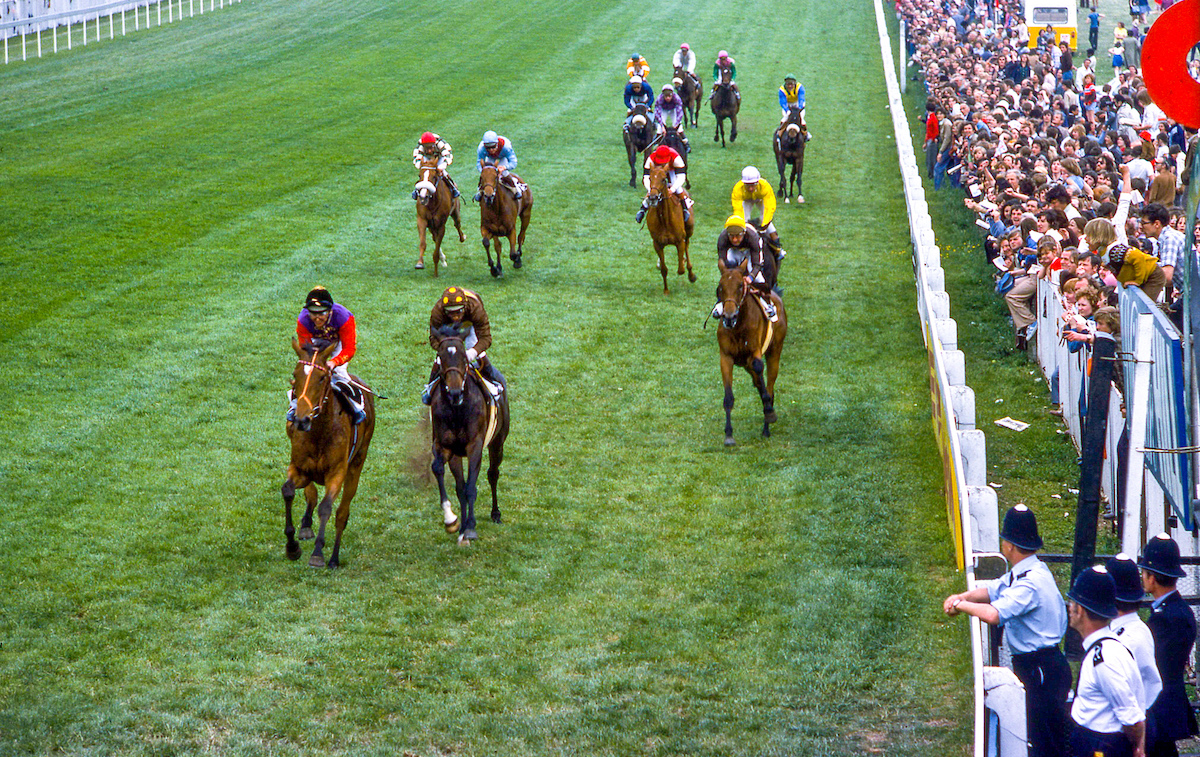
(168, 198)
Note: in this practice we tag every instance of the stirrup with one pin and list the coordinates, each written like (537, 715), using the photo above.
(640, 215)
(454, 192)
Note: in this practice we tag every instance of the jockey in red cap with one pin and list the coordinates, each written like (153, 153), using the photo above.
(676, 177)
(433, 147)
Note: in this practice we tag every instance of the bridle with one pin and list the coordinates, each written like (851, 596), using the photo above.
(493, 184)
(444, 368)
(429, 173)
(656, 194)
(730, 322)
(308, 374)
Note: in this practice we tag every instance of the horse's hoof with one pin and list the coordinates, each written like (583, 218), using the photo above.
(729, 442)
(463, 541)
(716, 138)
(692, 276)
(452, 528)
(305, 534)
(470, 534)
(496, 272)
(770, 417)
(496, 517)
(293, 554)
(631, 183)
(420, 265)
(799, 198)
(516, 261)
(333, 564)
(316, 561)
(766, 431)
(786, 201)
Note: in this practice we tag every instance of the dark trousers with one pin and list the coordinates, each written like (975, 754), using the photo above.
(1087, 743)
(1046, 676)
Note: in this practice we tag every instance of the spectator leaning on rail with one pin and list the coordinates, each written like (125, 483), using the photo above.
(1109, 709)
(1026, 601)
(1173, 627)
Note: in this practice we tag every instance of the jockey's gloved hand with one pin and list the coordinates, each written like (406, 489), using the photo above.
(471, 354)
(718, 310)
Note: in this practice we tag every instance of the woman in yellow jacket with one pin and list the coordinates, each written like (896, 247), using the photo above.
(754, 199)
(1131, 265)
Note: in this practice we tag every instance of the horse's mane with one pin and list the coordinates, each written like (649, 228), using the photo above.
(447, 330)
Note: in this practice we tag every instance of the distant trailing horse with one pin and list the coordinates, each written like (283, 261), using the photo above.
(327, 449)
(499, 215)
(725, 104)
(665, 221)
(691, 92)
(746, 337)
(789, 143)
(464, 422)
(638, 136)
(435, 205)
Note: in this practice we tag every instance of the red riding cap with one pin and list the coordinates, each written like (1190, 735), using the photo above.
(663, 155)
(427, 138)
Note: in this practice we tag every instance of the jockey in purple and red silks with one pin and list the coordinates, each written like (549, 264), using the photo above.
(324, 319)
(668, 111)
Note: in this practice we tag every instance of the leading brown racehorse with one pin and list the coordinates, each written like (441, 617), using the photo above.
(725, 104)
(665, 221)
(436, 204)
(746, 337)
(789, 143)
(327, 449)
(461, 418)
(499, 212)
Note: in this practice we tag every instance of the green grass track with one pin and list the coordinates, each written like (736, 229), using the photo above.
(166, 201)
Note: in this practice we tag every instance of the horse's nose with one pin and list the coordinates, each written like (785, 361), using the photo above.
(304, 424)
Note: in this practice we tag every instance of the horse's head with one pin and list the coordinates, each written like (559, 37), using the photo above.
(427, 182)
(731, 293)
(793, 136)
(726, 77)
(311, 381)
(452, 364)
(658, 183)
(489, 182)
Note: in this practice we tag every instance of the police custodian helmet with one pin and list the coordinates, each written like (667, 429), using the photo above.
(1020, 529)
(1094, 589)
(1161, 556)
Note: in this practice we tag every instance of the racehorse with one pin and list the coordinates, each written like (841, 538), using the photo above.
(746, 337)
(691, 92)
(665, 222)
(725, 104)
(464, 422)
(327, 449)
(789, 143)
(639, 135)
(499, 211)
(435, 205)
(673, 139)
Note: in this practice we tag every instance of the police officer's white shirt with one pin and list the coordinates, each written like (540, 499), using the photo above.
(1030, 606)
(1109, 696)
(1135, 635)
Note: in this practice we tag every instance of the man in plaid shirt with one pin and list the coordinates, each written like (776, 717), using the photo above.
(1156, 220)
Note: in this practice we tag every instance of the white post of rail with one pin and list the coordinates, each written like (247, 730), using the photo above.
(159, 6)
(55, 38)
(122, 22)
(39, 43)
(23, 45)
(85, 31)
(1138, 403)
(68, 34)
(902, 54)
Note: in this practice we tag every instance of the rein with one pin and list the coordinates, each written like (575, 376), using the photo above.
(316, 411)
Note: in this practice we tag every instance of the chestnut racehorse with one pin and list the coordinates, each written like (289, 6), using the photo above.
(665, 221)
(461, 419)
(327, 449)
(435, 205)
(499, 212)
(746, 337)
(691, 93)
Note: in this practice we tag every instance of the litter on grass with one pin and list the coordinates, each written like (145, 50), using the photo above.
(1012, 423)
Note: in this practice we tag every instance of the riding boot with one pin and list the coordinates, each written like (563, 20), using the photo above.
(478, 196)
(354, 398)
(291, 413)
(453, 187)
(641, 212)
(493, 377)
(414, 194)
(427, 393)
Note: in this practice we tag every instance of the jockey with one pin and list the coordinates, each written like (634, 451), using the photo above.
(498, 151)
(676, 178)
(463, 309)
(755, 199)
(684, 58)
(431, 147)
(637, 93)
(668, 111)
(791, 95)
(637, 66)
(725, 63)
(739, 243)
(322, 318)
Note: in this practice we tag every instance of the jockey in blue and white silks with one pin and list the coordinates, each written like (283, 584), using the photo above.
(498, 151)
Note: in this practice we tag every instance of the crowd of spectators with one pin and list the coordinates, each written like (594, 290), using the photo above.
(1075, 174)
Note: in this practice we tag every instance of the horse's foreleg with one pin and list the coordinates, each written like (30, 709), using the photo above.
(662, 264)
(514, 250)
(333, 485)
(449, 519)
(289, 529)
(526, 213)
(343, 515)
(470, 489)
(727, 380)
(310, 504)
(422, 225)
(437, 248)
(487, 247)
(632, 155)
(733, 128)
(772, 372)
(456, 214)
(685, 260)
(717, 135)
(798, 173)
(757, 371)
(495, 457)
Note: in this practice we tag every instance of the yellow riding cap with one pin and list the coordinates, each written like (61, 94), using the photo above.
(454, 298)
(735, 221)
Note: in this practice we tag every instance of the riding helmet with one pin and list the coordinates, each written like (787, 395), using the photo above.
(454, 298)
(750, 175)
(635, 80)
(635, 56)
(723, 54)
(318, 300)
(663, 155)
(428, 138)
(790, 77)
(685, 46)
(490, 138)
(668, 88)
(735, 222)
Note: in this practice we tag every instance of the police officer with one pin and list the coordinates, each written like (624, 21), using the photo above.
(1129, 628)
(1173, 627)
(1027, 602)
(1109, 710)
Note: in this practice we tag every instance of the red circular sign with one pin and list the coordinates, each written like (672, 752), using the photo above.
(1165, 64)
